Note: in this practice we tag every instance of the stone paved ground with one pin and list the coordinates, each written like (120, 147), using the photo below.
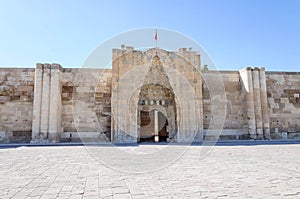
(263, 171)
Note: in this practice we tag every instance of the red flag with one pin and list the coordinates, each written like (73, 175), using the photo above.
(155, 37)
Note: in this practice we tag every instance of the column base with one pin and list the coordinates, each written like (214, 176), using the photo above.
(267, 134)
(53, 137)
(259, 134)
(156, 138)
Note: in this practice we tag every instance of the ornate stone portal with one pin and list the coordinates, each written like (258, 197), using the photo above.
(160, 103)
(157, 100)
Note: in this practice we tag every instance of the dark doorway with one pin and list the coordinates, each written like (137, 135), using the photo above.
(162, 127)
(147, 127)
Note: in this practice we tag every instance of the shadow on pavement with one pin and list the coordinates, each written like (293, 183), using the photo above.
(204, 143)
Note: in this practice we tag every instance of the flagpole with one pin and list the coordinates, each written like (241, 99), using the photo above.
(156, 38)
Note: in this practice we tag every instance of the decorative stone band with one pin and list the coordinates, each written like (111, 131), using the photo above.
(165, 102)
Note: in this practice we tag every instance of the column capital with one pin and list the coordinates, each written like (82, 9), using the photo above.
(39, 66)
(56, 66)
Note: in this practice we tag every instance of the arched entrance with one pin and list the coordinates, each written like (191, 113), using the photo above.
(156, 117)
(168, 84)
(153, 127)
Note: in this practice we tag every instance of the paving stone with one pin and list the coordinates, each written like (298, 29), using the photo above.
(262, 171)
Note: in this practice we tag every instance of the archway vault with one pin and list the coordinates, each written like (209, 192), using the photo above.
(156, 98)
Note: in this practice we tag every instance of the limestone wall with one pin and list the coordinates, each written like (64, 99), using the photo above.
(86, 104)
(284, 102)
(16, 102)
(71, 104)
(51, 103)
(235, 117)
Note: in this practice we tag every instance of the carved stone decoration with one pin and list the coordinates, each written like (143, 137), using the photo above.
(157, 89)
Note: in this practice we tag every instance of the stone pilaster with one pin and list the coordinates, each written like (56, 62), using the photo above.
(257, 103)
(261, 118)
(54, 128)
(45, 101)
(46, 124)
(264, 103)
(246, 75)
(38, 88)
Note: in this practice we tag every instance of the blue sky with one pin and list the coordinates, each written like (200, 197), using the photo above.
(235, 33)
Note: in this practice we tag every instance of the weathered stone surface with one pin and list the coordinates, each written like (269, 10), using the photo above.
(283, 88)
(16, 102)
(50, 100)
(159, 72)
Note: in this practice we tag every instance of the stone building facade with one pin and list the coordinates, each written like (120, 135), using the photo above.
(147, 96)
